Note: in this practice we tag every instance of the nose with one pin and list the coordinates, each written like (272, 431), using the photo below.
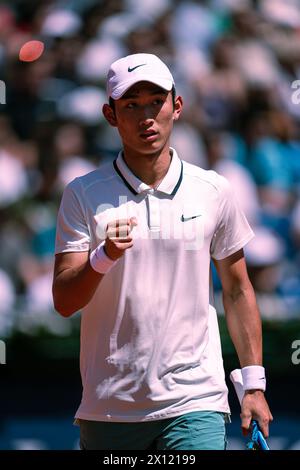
(146, 116)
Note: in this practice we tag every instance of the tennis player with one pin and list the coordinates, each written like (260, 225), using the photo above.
(134, 243)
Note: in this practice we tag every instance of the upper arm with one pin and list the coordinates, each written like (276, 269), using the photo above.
(72, 231)
(233, 272)
(232, 231)
(69, 260)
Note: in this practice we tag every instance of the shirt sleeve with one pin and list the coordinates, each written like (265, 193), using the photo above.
(72, 232)
(232, 231)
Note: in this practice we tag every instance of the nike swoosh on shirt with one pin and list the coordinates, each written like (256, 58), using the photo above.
(131, 69)
(184, 219)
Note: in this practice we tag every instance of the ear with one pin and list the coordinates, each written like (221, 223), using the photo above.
(109, 115)
(177, 108)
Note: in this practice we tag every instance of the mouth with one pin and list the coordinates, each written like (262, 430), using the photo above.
(149, 135)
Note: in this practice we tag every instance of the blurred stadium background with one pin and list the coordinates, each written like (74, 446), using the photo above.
(237, 65)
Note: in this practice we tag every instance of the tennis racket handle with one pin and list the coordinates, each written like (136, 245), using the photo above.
(237, 380)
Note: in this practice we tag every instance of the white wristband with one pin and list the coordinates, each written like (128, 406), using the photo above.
(99, 260)
(254, 378)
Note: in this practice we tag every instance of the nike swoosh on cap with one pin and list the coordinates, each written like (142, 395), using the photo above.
(184, 219)
(131, 69)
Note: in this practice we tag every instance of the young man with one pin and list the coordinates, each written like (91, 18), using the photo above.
(133, 249)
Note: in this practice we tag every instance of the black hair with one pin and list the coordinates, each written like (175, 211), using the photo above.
(112, 101)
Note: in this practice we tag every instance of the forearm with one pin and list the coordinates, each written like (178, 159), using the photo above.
(244, 325)
(73, 288)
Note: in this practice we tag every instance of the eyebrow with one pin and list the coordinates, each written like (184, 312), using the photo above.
(155, 91)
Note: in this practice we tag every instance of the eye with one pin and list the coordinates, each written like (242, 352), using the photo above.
(130, 105)
(158, 101)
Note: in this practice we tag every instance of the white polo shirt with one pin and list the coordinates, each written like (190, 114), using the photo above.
(150, 346)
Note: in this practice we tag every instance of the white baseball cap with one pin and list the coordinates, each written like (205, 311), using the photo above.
(125, 72)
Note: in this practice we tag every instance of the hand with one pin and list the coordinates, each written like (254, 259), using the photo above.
(118, 237)
(254, 406)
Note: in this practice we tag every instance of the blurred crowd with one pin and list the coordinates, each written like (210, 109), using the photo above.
(237, 65)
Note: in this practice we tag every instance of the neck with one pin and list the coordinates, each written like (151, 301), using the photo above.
(151, 168)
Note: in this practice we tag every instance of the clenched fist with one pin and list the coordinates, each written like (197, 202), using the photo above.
(118, 237)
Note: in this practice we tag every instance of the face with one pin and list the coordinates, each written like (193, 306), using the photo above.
(144, 117)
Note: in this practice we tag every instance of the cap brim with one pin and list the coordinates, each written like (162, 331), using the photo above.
(165, 83)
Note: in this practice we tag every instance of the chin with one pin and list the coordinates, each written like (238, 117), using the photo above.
(152, 147)
(153, 151)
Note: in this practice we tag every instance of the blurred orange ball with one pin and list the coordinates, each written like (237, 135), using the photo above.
(31, 51)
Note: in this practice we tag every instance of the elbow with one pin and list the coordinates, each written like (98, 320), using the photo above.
(61, 306)
(63, 310)
(238, 291)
